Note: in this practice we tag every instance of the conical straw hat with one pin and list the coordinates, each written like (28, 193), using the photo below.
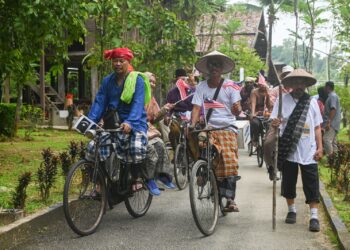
(228, 63)
(296, 75)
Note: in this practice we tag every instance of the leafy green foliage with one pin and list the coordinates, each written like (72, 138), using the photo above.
(28, 28)
(7, 114)
(244, 56)
(20, 195)
(30, 115)
(46, 173)
(340, 170)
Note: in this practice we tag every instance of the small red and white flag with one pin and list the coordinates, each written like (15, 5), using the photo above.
(231, 85)
(209, 103)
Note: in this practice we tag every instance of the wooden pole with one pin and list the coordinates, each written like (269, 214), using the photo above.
(276, 160)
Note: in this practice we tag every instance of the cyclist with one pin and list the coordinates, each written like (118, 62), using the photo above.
(260, 102)
(224, 109)
(126, 93)
(184, 87)
(162, 164)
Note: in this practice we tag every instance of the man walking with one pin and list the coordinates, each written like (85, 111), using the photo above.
(300, 144)
(332, 119)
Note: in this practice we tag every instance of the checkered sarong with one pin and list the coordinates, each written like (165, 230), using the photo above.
(130, 148)
(226, 163)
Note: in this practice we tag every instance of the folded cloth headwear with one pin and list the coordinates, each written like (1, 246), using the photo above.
(124, 53)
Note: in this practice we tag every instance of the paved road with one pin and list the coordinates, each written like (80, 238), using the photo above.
(169, 223)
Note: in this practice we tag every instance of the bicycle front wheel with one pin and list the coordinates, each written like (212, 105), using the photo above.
(260, 153)
(204, 198)
(138, 202)
(84, 198)
(180, 166)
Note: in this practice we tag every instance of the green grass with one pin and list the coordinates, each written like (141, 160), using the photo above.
(343, 207)
(18, 156)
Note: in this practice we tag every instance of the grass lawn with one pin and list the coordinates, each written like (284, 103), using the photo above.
(343, 207)
(19, 156)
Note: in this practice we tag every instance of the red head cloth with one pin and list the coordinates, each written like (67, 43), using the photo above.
(124, 53)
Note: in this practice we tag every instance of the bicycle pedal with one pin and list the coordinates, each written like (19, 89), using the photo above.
(161, 189)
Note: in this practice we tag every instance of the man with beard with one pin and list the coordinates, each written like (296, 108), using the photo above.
(300, 144)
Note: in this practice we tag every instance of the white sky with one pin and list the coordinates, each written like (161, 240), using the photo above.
(287, 21)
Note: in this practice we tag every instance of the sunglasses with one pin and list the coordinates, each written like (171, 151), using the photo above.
(214, 64)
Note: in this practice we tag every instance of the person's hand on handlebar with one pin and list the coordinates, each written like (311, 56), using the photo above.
(126, 128)
(276, 122)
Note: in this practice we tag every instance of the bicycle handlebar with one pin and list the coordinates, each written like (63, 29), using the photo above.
(213, 129)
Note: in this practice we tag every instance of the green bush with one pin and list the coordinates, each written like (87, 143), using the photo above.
(20, 195)
(30, 116)
(8, 119)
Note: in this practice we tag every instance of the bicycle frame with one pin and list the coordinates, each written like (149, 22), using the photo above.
(122, 183)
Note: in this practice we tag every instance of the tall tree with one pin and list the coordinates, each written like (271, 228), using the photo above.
(273, 7)
(27, 26)
(312, 16)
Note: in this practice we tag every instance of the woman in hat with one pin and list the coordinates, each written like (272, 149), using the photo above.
(223, 111)
(300, 144)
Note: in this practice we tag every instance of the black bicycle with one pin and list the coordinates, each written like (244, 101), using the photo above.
(259, 149)
(92, 185)
(205, 197)
(181, 157)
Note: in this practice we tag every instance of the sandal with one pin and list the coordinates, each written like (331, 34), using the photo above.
(137, 185)
(231, 206)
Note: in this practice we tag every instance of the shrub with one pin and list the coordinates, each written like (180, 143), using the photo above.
(30, 116)
(340, 170)
(47, 173)
(8, 119)
(20, 195)
(73, 150)
(66, 162)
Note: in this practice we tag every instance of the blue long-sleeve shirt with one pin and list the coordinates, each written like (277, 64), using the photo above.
(108, 97)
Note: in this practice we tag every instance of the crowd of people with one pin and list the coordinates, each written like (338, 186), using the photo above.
(217, 102)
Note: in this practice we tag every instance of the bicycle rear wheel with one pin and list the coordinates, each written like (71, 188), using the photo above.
(84, 199)
(204, 198)
(138, 202)
(180, 166)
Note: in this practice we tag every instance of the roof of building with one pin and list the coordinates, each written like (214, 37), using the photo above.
(251, 21)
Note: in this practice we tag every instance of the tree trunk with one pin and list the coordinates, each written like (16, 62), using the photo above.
(42, 81)
(295, 52)
(19, 89)
(311, 10)
(6, 94)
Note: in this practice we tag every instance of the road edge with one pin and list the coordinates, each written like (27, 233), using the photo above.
(23, 228)
(340, 230)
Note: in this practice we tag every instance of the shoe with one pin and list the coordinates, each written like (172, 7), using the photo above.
(291, 218)
(166, 182)
(152, 187)
(231, 206)
(314, 225)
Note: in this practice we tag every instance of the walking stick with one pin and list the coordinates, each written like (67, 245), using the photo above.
(276, 160)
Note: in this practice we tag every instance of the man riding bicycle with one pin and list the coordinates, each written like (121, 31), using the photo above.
(125, 93)
(220, 112)
(260, 106)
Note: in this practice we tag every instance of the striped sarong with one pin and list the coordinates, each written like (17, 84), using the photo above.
(226, 162)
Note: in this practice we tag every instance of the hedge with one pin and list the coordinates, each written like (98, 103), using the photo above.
(7, 119)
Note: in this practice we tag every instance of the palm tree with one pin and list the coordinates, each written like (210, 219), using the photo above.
(273, 7)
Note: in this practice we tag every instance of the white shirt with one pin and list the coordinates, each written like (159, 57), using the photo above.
(228, 95)
(306, 147)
